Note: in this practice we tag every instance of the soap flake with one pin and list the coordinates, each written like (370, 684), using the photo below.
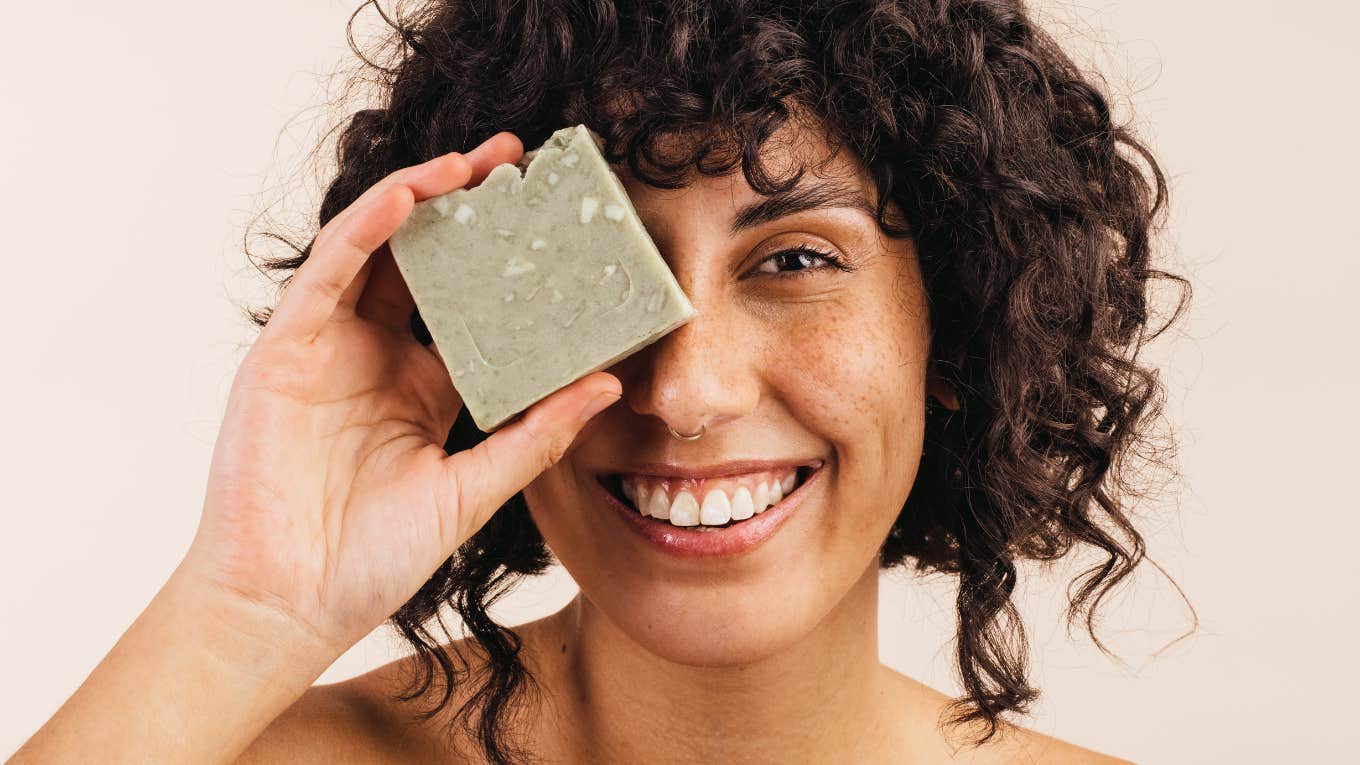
(516, 266)
(588, 207)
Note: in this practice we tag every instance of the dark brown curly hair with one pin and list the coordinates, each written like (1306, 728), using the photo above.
(1031, 210)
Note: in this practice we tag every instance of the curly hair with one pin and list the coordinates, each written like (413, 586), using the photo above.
(1031, 210)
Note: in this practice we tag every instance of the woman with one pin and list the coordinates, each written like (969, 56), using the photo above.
(920, 304)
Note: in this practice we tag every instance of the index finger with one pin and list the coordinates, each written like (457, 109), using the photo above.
(346, 242)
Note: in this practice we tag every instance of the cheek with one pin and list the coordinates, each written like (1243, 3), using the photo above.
(855, 378)
(850, 369)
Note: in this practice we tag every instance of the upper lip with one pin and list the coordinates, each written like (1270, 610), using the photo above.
(717, 470)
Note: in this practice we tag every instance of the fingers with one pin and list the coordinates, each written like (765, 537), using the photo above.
(326, 282)
(383, 295)
(386, 300)
(341, 250)
(482, 478)
(499, 148)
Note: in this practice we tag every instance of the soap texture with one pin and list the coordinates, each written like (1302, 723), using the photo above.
(533, 280)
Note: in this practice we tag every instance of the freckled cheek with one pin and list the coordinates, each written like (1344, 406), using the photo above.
(839, 370)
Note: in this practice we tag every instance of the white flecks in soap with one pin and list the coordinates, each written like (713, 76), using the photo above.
(556, 298)
(516, 266)
(464, 213)
(553, 178)
(608, 272)
(537, 244)
(441, 204)
(509, 296)
(588, 207)
(613, 212)
(569, 159)
(505, 233)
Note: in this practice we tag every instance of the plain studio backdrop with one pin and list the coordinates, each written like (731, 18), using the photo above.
(138, 140)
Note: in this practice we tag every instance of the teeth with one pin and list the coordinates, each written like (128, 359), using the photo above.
(717, 508)
(658, 507)
(728, 502)
(761, 499)
(684, 510)
(742, 506)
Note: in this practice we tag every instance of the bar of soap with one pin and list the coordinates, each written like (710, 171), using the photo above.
(531, 281)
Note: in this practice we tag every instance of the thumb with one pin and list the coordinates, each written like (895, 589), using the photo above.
(479, 480)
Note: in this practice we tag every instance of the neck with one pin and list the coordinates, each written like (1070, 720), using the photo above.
(823, 698)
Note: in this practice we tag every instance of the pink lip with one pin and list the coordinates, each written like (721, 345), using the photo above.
(686, 542)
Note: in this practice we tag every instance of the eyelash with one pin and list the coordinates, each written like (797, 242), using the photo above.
(804, 249)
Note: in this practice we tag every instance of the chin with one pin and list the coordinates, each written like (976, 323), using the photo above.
(714, 626)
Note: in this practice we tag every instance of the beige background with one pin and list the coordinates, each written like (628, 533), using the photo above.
(137, 140)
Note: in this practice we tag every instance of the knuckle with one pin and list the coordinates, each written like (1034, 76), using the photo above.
(324, 289)
(553, 446)
(546, 447)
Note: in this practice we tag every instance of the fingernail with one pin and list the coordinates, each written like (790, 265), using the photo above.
(598, 404)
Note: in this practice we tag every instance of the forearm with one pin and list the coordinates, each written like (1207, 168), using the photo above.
(195, 679)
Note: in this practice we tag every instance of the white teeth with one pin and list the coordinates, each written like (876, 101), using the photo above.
(742, 506)
(684, 510)
(657, 506)
(733, 502)
(717, 508)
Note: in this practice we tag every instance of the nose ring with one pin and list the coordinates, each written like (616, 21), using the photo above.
(687, 436)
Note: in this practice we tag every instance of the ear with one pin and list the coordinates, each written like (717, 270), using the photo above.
(940, 390)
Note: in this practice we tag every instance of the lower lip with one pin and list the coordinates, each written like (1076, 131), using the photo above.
(688, 542)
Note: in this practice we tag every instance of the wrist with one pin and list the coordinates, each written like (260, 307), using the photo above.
(251, 628)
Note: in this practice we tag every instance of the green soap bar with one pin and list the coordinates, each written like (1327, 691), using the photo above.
(531, 281)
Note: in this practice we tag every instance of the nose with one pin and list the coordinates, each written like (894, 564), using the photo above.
(701, 374)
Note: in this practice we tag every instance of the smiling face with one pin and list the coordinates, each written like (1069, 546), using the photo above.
(792, 358)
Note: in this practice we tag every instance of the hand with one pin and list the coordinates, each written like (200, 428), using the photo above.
(330, 497)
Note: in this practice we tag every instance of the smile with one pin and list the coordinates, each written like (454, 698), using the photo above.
(695, 526)
(707, 502)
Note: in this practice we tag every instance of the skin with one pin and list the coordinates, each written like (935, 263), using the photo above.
(768, 657)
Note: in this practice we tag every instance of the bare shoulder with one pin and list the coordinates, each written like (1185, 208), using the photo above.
(354, 721)
(1040, 748)
(362, 720)
(1012, 745)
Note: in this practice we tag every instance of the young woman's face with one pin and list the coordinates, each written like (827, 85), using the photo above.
(790, 359)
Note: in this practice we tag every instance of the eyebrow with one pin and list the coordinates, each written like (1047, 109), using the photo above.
(801, 198)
